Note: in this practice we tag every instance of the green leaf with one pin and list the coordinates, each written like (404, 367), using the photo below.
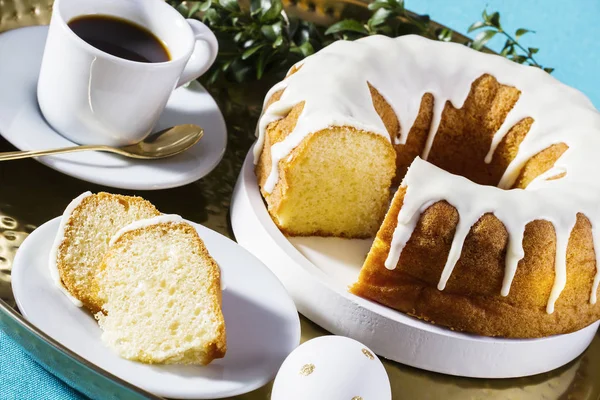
(255, 7)
(226, 65)
(248, 53)
(260, 65)
(182, 9)
(204, 6)
(520, 58)
(476, 25)
(305, 49)
(271, 32)
(444, 35)
(495, 20)
(273, 12)
(549, 70)
(230, 5)
(211, 17)
(278, 42)
(507, 50)
(533, 50)
(379, 17)
(377, 4)
(346, 25)
(214, 75)
(398, 5)
(194, 9)
(482, 38)
(521, 31)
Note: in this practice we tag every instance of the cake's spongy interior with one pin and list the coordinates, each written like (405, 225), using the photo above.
(162, 297)
(87, 234)
(337, 183)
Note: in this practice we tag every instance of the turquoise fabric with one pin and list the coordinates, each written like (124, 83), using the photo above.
(567, 34)
(21, 378)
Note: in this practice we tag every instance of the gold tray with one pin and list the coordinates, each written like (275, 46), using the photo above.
(31, 194)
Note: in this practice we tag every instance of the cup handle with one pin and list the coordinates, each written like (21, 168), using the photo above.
(204, 54)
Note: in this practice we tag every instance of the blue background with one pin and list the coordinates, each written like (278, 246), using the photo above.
(568, 35)
(567, 32)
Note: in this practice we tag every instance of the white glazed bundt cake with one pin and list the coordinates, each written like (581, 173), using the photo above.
(161, 295)
(86, 227)
(495, 229)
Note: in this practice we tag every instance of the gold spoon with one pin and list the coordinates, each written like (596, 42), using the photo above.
(166, 143)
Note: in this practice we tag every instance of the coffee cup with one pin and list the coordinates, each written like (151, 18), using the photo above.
(91, 96)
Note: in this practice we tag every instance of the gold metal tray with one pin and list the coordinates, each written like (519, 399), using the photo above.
(31, 194)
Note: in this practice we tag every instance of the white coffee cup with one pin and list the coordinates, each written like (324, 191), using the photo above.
(92, 97)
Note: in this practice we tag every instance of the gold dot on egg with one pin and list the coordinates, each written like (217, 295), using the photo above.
(307, 369)
(369, 355)
(357, 398)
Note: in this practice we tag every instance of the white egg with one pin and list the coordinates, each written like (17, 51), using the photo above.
(332, 368)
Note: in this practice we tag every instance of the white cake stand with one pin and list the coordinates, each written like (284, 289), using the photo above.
(318, 271)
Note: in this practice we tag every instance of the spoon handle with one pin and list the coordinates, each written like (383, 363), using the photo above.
(16, 155)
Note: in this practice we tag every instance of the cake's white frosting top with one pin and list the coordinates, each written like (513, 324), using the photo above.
(333, 86)
(60, 236)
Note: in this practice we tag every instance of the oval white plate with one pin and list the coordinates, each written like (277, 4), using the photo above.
(22, 124)
(262, 323)
(317, 272)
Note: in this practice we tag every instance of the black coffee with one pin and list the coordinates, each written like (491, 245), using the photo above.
(120, 37)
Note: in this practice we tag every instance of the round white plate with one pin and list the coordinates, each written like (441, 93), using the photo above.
(262, 323)
(22, 124)
(317, 272)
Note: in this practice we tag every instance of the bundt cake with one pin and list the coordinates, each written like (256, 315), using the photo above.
(495, 227)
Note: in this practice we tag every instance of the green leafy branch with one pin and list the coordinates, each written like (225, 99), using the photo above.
(264, 40)
(389, 17)
(513, 50)
(255, 41)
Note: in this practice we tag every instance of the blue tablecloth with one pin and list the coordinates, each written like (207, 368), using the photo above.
(567, 35)
(21, 378)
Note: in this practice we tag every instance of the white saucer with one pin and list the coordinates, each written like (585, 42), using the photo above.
(317, 272)
(262, 323)
(22, 124)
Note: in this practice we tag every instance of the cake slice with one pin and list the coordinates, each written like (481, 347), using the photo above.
(161, 295)
(87, 225)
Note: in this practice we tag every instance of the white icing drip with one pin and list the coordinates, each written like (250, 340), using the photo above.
(144, 223)
(560, 267)
(438, 109)
(514, 254)
(462, 230)
(60, 236)
(402, 234)
(427, 184)
(403, 70)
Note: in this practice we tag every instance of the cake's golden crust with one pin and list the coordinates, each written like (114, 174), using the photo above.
(471, 301)
(88, 294)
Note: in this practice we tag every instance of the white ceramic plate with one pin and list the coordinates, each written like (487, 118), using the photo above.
(317, 272)
(22, 124)
(261, 321)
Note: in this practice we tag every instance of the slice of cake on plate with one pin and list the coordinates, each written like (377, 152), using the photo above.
(161, 295)
(87, 225)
